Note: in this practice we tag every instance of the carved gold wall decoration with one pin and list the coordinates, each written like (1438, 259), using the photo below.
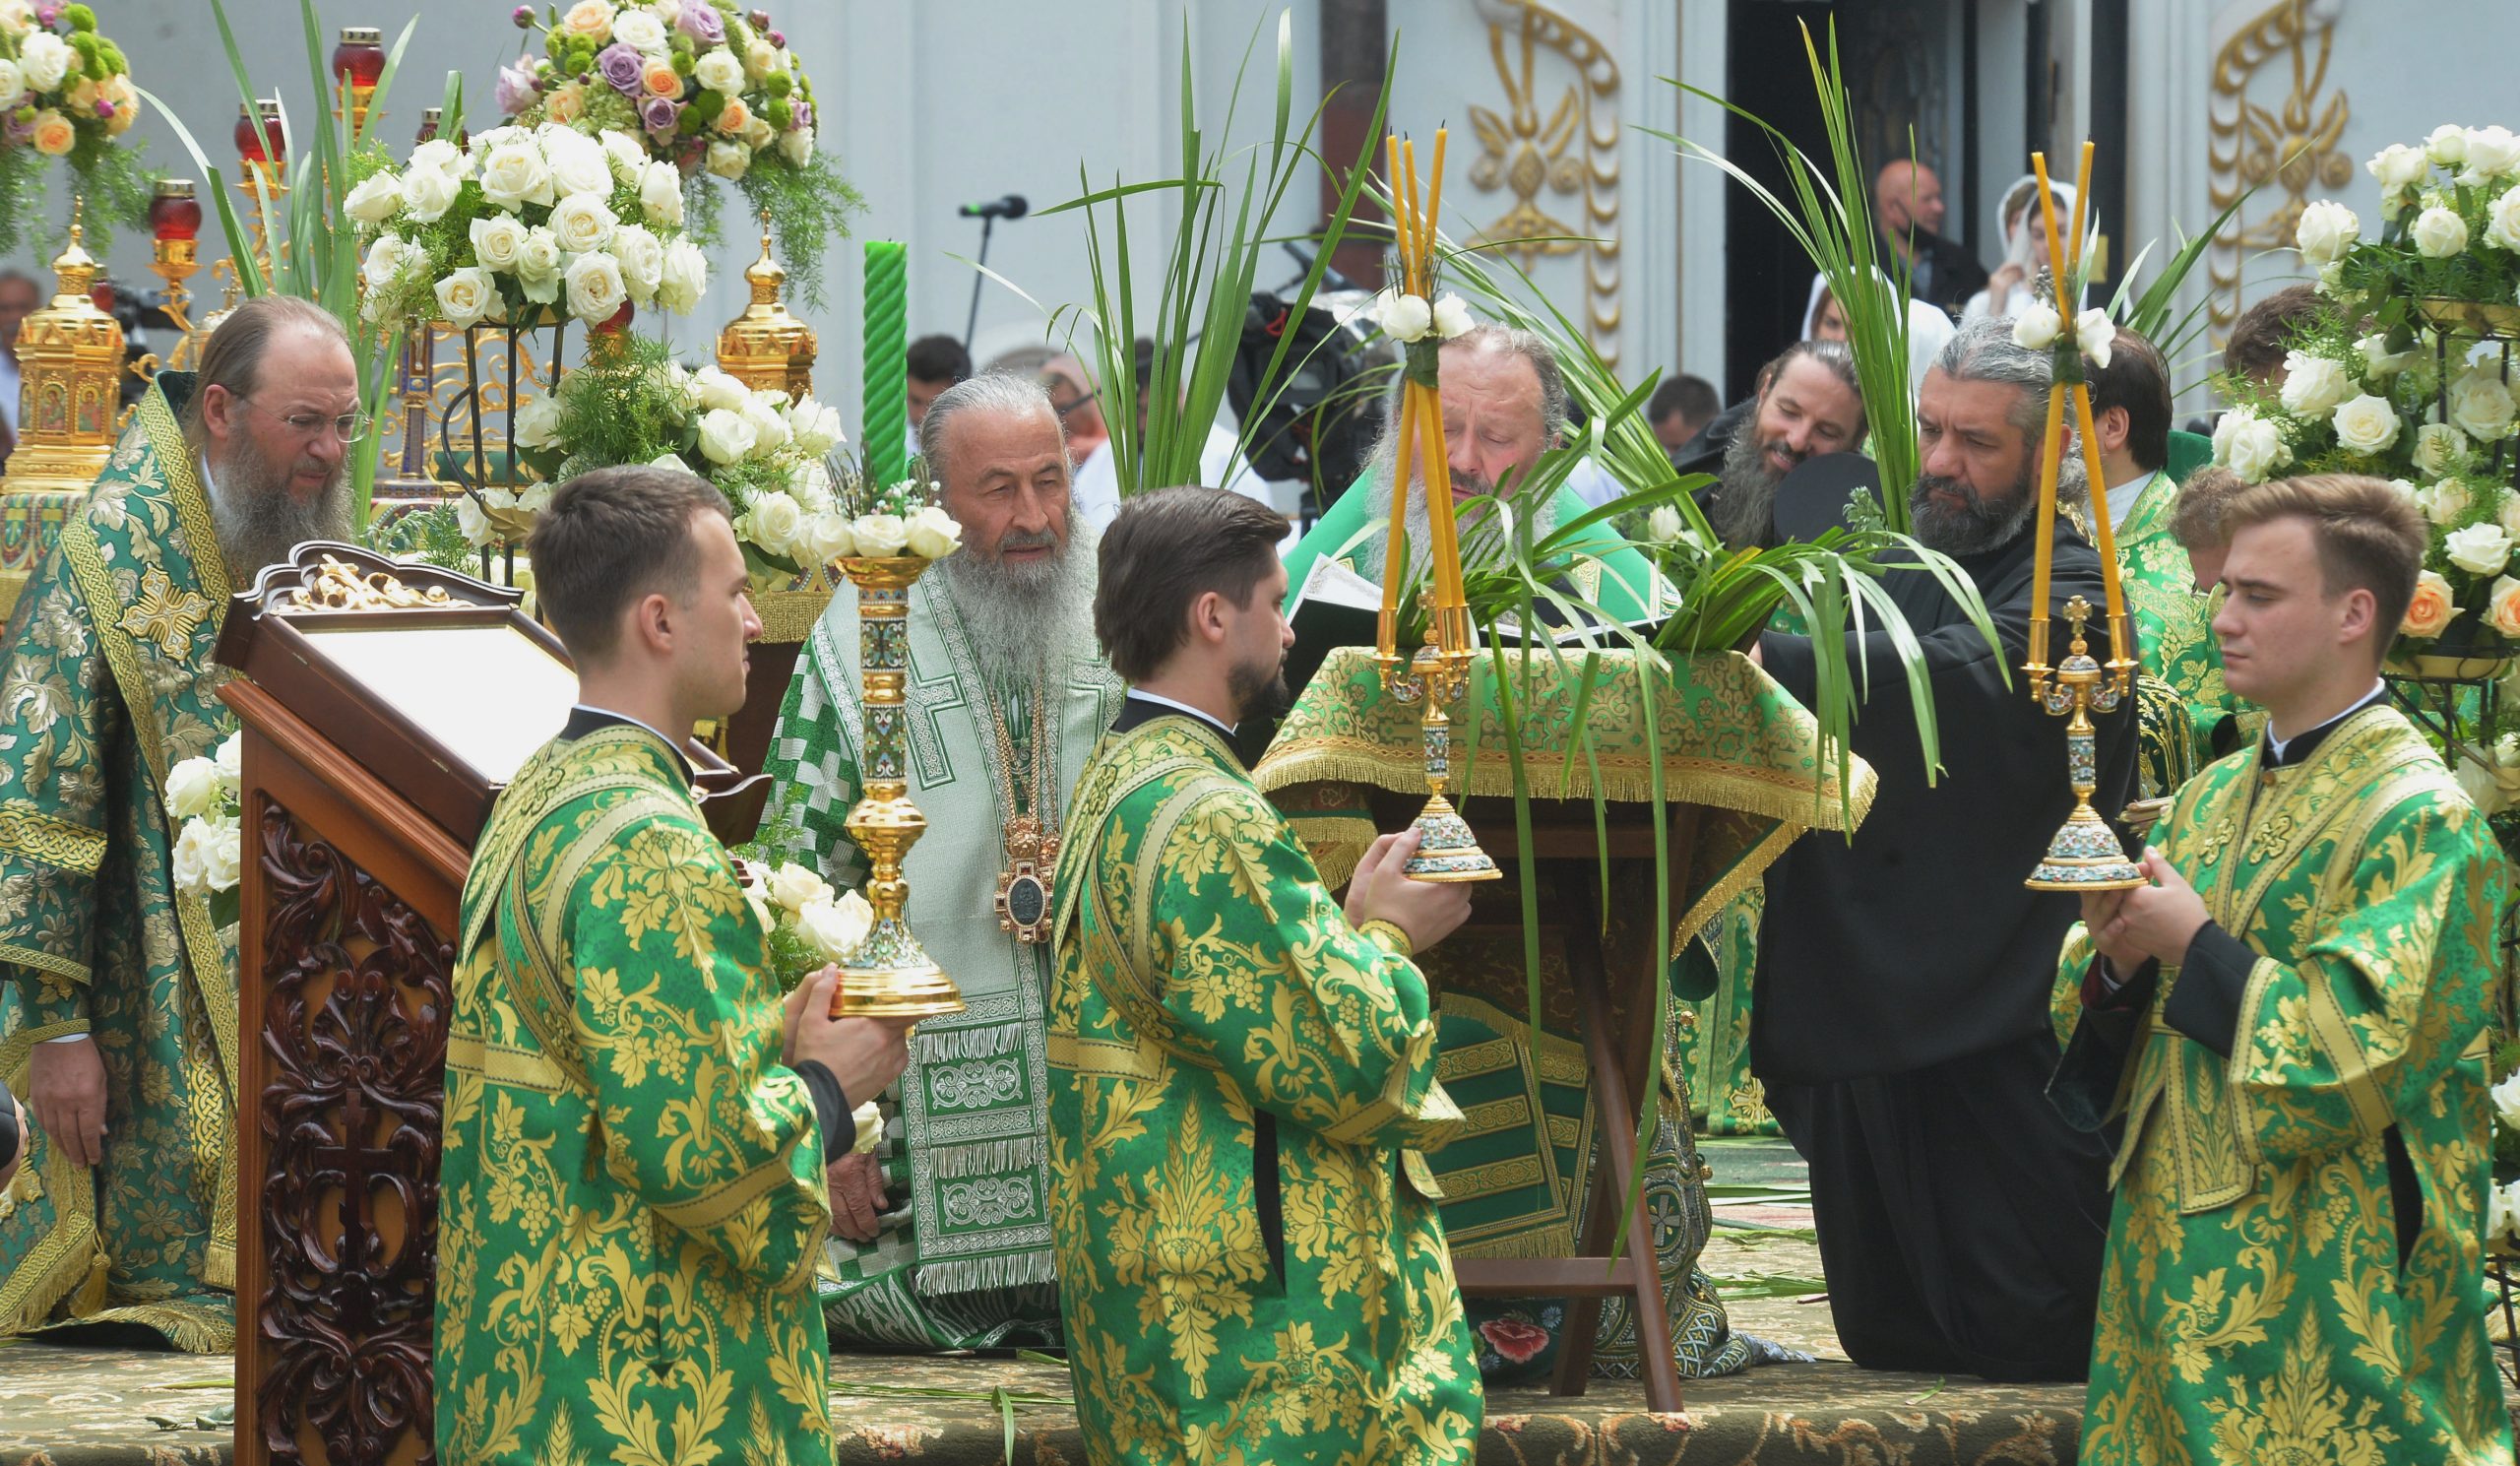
(1566, 147)
(2291, 146)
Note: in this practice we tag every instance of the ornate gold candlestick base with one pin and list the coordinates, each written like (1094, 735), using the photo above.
(1446, 849)
(889, 975)
(2085, 855)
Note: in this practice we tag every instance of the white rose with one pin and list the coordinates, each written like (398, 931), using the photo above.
(2438, 447)
(794, 887)
(932, 533)
(816, 426)
(834, 929)
(578, 164)
(628, 154)
(639, 30)
(537, 265)
(2037, 326)
(514, 175)
(720, 72)
(2248, 445)
(2399, 166)
(777, 521)
(45, 58)
(2502, 222)
(2480, 550)
(2442, 500)
(2312, 385)
(2493, 153)
(192, 858)
(476, 526)
(810, 482)
(673, 460)
(534, 498)
(2507, 515)
(761, 58)
(661, 195)
(428, 194)
(2365, 426)
(12, 81)
(758, 133)
(716, 389)
(1402, 318)
(761, 912)
(2379, 361)
(192, 788)
(2499, 1215)
(2481, 405)
(500, 137)
(2093, 334)
(829, 538)
(229, 756)
(441, 156)
(725, 435)
(880, 534)
(377, 199)
(2506, 1101)
(465, 297)
(222, 855)
(2448, 144)
(582, 222)
(686, 272)
(643, 260)
(386, 259)
(2327, 231)
(2438, 233)
(769, 430)
(2476, 780)
(728, 159)
(595, 290)
(498, 239)
(796, 145)
(1452, 317)
(538, 425)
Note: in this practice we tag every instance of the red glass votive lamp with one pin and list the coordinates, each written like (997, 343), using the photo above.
(174, 213)
(361, 54)
(249, 144)
(431, 120)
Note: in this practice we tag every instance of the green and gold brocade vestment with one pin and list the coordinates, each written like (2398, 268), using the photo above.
(1251, 1263)
(108, 684)
(2294, 1264)
(2174, 631)
(632, 1183)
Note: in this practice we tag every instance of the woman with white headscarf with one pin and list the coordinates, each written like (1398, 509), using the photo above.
(2026, 247)
(1928, 328)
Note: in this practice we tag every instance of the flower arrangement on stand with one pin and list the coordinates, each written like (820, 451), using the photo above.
(209, 855)
(68, 95)
(706, 89)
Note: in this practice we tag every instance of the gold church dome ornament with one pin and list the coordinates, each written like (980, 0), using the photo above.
(70, 358)
(767, 349)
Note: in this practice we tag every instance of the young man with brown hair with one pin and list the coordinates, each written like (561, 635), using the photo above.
(2290, 1019)
(1242, 1074)
(633, 1189)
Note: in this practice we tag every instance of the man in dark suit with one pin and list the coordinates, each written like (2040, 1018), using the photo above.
(1907, 205)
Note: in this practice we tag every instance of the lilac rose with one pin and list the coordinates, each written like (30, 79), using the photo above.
(621, 65)
(804, 114)
(700, 21)
(517, 88)
(660, 114)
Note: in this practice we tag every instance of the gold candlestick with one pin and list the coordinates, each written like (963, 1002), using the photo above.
(2085, 855)
(890, 975)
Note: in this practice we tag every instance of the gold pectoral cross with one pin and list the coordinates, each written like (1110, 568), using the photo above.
(1023, 899)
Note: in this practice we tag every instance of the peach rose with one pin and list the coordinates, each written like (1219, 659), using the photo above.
(591, 19)
(2502, 606)
(567, 105)
(661, 79)
(733, 116)
(2431, 611)
(53, 134)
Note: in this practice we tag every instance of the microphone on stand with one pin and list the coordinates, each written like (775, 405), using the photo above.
(1012, 206)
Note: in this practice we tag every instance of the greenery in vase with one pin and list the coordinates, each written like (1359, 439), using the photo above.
(707, 89)
(68, 95)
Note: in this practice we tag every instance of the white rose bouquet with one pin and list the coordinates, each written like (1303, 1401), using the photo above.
(209, 854)
(702, 89)
(522, 220)
(67, 94)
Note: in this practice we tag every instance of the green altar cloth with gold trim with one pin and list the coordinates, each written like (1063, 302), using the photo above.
(1732, 743)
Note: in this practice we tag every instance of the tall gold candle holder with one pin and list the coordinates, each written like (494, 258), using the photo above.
(890, 975)
(2085, 855)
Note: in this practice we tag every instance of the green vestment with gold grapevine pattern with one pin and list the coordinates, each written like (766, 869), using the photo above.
(108, 685)
(1207, 983)
(632, 1183)
(2253, 1307)
(2173, 623)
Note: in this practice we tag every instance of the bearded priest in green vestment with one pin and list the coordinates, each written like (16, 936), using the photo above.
(941, 1235)
(1251, 1262)
(633, 1190)
(1504, 404)
(2291, 1023)
(119, 1019)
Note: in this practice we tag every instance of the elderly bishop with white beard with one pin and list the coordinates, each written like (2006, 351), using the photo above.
(1901, 1019)
(118, 989)
(941, 1232)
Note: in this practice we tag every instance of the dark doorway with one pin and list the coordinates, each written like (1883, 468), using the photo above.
(1767, 277)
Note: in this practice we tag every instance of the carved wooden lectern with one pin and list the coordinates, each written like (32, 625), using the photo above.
(383, 707)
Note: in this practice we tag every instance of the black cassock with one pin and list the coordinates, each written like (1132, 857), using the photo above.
(1900, 1019)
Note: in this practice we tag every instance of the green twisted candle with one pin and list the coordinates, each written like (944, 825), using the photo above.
(884, 408)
